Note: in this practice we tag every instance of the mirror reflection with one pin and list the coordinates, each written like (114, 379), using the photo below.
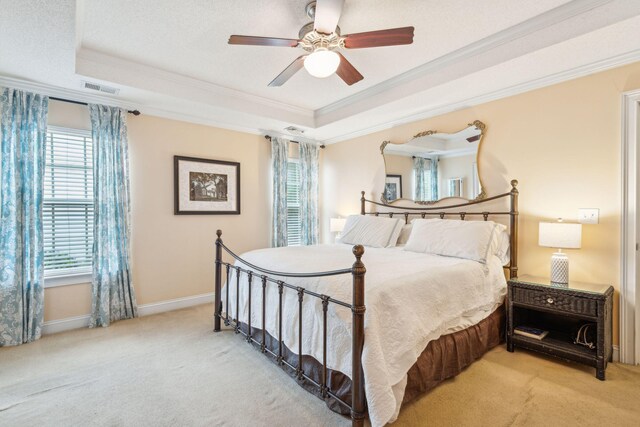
(434, 165)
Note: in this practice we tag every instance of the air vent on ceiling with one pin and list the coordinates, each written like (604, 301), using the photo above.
(100, 88)
(293, 129)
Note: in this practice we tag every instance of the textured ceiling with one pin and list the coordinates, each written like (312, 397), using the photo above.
(190, 38)
(37, 40)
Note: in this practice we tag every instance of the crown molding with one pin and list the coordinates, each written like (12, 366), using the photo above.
(200, 120)
(290, 137)
(94, 64)
(574, 73)
(208, 120)
(527, 28)
(76, 95)
(90, 55)
(460, 153)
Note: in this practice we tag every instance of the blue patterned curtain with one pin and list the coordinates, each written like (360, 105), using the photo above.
(421, 187)
(279, 159)
(309, 193)
(113, 297)
(433, 167)
(22, 135)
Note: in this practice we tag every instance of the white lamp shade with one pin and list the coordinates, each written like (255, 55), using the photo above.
(336, 225)
(322, 63)
(561, 235)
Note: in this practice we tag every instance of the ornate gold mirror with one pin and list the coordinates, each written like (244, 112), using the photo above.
(434, 165)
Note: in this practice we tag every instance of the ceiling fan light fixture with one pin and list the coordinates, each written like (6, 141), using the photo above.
(322, 63)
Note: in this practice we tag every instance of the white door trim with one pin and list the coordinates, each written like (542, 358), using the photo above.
(629, 230)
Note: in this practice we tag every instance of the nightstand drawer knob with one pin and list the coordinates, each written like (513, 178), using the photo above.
(550, 300)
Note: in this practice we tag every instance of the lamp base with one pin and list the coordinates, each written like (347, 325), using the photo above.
(560, 268)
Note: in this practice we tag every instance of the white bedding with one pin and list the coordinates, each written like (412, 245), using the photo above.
(411, 299)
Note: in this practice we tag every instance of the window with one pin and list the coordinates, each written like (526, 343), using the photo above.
(293, 203)
(68, 202)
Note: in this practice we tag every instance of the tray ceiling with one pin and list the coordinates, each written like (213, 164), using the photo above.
(172, 58)
(190, 38)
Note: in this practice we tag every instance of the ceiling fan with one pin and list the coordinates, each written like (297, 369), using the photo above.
(322, 40)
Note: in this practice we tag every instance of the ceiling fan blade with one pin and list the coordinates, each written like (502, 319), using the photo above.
(327, 15)
(262, 41)
(348, 72)
(288, 72)
(390, 37)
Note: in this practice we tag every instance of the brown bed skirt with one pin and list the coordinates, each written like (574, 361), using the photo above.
(443, 358)
(450, 354)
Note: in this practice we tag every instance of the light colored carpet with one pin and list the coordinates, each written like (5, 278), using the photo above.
(172, 370)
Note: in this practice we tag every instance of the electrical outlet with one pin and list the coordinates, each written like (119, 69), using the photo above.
(588, 215)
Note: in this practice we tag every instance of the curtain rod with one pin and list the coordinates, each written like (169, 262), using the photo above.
(134, 112)
(295, 142)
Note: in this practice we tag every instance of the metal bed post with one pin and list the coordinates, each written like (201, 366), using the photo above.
(513, 235)
(358, 403)
(218, 273)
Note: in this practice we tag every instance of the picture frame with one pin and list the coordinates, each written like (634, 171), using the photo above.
(393, 187)
(206, 186)
(456, 188)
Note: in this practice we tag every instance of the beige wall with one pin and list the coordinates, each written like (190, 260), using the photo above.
(561, 142)
(401, 165)
(172, 255)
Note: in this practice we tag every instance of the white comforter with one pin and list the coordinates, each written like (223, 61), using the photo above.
(411, 299)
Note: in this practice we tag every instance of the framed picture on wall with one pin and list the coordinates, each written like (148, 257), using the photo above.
(393, 187)
(206, 186)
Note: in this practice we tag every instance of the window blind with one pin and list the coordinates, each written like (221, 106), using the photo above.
(428, 187)
(68, 202)
(293, 204)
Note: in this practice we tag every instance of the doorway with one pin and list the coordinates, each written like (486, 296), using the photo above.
(630, 229)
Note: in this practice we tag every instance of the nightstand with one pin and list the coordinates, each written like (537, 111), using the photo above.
(561, 310)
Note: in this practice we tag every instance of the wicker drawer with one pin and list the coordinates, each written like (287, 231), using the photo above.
(556, 301)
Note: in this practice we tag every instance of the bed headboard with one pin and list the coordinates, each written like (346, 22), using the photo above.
(445, 211)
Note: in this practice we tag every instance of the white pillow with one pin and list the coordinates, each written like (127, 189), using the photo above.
(474, 240)
(405, 232)
(373, 231)
(500, 245)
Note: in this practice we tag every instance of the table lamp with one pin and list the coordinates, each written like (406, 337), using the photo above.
(336, 225)
(560, 235)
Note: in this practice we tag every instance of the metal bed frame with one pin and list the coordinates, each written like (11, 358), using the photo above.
(357, 406)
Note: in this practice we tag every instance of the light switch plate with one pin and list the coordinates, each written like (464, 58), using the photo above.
(588, 215)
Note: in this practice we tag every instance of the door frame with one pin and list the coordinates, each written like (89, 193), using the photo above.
(629, 295)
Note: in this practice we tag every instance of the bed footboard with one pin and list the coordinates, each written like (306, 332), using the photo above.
(357, 406)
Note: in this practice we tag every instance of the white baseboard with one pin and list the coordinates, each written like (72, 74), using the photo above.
(616, 354)
(174, 304)
(67, 324)
(77, 322)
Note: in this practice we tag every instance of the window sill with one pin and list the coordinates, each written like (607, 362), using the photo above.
(66, 280)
